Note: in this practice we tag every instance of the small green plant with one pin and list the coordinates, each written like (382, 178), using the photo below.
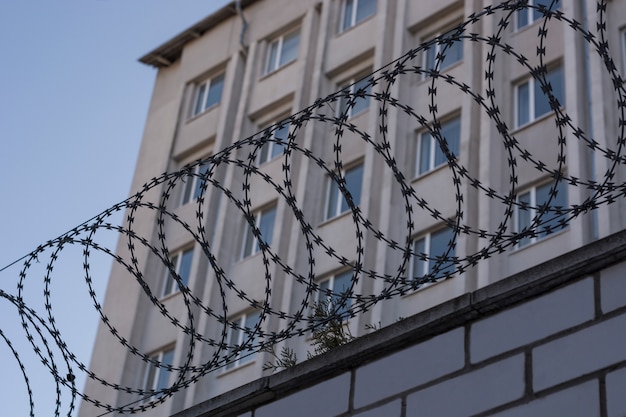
(379, 325)
(373, 327)
(286, 359)
(332, 333)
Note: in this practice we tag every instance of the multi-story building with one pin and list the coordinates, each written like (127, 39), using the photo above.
(249, 66)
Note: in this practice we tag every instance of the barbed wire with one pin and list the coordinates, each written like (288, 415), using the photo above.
(381, 89)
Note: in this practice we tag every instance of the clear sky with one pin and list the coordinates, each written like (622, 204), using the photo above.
(73, 103)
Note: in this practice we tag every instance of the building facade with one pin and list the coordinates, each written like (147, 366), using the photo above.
(482, 150)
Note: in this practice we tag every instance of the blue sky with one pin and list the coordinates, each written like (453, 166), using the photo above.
(73, 103)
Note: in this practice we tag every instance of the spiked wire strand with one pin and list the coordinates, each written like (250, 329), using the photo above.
(154, 197)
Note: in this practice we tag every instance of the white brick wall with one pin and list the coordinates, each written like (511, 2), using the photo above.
(532, 321)
(472, 392)
(393, 409)
(580, 353)
(616, 393)
(421, 363)
(579, 401)
(613, 287)
(326, 399)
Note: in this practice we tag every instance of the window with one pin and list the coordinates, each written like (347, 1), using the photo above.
(355, 11)
(193, 183)
(428, 253)
(208, 94)
(158, 377)
(530, 99)
(442, 54)
(264, 221)
(335, 202)
(331, 291)
(429, 152)
(528, 208)
(242, 332)
(274, 145)
(182, 265)
(358, 100)
(282, 51)
(530, 14)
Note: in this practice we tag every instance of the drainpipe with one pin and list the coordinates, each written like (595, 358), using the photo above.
(244, 26)
(591, 164)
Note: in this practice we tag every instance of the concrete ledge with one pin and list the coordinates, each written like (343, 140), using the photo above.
(457, 312)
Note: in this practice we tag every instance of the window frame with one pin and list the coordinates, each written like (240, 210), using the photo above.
(255, 247)
(266, 152)
(530, 14)
(332, 185)
(242, 323)
(437, 47)
(279, 41)
(532, 99)
(352, 87)
(152, 373)
(331, 280)
(354, 13)
(169, 285)
(427, 264)
(434, 147)
(203, 88)
(192, 188)
(533, 211)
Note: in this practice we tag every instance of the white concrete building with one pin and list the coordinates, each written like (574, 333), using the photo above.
(234, 74)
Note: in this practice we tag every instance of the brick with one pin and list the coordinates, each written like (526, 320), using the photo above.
(393, 409)
(532, 321)
(613, 287)
(579, 401)
(326, 399)
(615, 398)
(471, 393)
(580, 353)
(409, 368)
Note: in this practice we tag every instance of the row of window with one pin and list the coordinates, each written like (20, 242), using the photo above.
(330, 292)
(355, 11)
(431, 245)
(264, 221)
(158, 377)
(280, 51)
(530, 101)
(530, 104)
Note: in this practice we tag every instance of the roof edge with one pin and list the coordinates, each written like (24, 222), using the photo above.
(170, 51)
